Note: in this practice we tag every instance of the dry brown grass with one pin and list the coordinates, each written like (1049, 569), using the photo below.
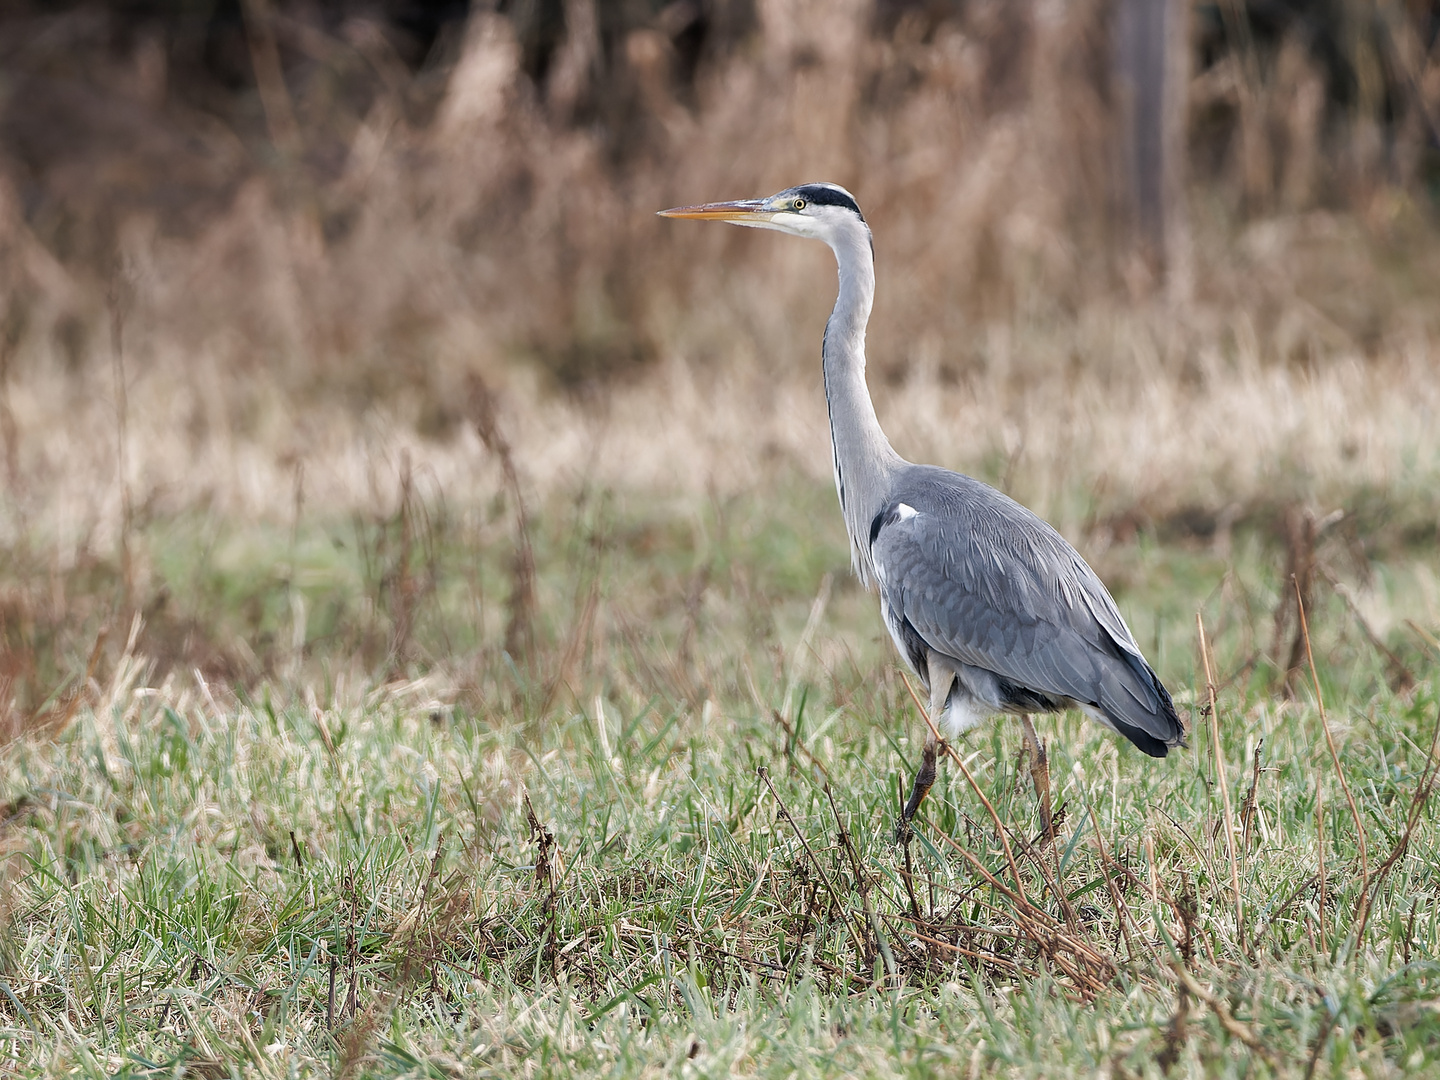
(303, 337)
(331, 319)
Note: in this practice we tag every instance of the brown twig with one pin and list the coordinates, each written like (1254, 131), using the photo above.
(1281, 908)
(1423, 790)
(1424, 635)
(519, 629)
(862, 886)
(1052, 882)
(404, 980)
(122, 440)
(1363, 915)
(1224, 783)
(352, 950)
(544, 841)
(1250, 807)
(1178, 1034)
(1400, 677)
(1187, 910)
(1320, 901)
(1301, 531)
(1122, 910)
(1321, 1038)
(1409, 932)
(764, 775)
(1240, 1030)
(1302, 535)
(975, 954)
(1152, 884)
(1019, 899)
(1042, 929)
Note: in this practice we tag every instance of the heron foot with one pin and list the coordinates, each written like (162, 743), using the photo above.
(924, 781)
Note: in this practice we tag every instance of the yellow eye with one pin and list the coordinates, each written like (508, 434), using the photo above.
(799, 204)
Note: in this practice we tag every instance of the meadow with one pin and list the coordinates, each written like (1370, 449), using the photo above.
(427, 636)
(665, 844)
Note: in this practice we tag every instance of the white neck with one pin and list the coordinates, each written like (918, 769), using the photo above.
(864, 460)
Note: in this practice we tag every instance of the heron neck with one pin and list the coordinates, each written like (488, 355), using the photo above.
(864, 460)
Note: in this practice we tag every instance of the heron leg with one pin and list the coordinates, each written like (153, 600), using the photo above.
(924, 779)
(1040, 777)
(940, 681)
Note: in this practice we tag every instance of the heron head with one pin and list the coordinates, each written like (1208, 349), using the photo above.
(818, 211)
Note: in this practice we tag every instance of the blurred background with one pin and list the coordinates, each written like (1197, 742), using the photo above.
(328, 328)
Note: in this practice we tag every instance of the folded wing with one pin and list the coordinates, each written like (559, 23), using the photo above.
(982, 580)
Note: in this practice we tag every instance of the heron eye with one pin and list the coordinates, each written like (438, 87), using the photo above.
(799, 204)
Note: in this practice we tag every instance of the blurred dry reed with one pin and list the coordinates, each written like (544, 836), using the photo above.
(311, 273)
(477, 218)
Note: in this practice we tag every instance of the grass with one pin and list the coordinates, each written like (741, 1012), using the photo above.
(572, 863)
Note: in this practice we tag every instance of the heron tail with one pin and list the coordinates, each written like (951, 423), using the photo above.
(1144, 713)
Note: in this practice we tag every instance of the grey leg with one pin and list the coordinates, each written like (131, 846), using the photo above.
(924, 779)
(940, 680)
(1040, 777)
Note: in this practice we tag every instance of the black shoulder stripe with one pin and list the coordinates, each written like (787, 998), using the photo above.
(889, 516)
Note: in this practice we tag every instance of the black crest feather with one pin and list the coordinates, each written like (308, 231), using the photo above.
(828, 195)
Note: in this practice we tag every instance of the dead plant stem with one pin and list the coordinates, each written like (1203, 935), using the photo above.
(1223, 782)
(1122, 911)
(1240, 1030)
(122, 439)
(1320, 846)
(1363, 916)
(764, 775)
(863, 889)
(1423, 790)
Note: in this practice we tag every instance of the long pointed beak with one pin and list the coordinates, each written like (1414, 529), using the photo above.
(742, 212)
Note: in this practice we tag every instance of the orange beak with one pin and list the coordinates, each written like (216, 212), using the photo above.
(745, 210)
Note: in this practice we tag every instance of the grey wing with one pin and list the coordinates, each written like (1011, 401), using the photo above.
(977, 577)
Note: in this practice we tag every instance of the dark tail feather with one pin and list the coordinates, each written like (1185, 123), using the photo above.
(1164, 728)
(1145, 741)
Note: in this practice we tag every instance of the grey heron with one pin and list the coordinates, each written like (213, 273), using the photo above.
(989, 605)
